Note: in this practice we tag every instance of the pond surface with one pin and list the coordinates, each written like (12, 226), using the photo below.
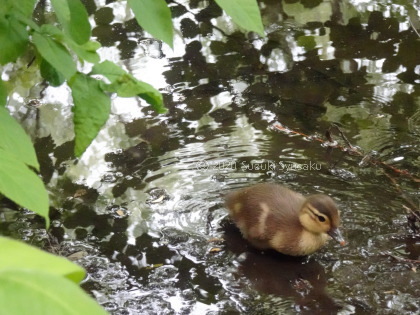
(142, 210)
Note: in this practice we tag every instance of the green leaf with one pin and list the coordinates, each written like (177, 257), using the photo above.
(3, 94)
(29, 292)
(74, 19)
(49, 73)
(54, 31)
(21, 185)
(6, 7)
(128, 86)
(109, 70)
(16, 254)
(55, 54)
(91, 110)
(125, 85)
(86, 51)
(15, 141)
(13, 39)
(26, 21)
(155, 17)
(245, 13)
(25, 7)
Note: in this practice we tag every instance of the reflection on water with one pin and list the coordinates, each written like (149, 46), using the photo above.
(301, 279)
(145, 202)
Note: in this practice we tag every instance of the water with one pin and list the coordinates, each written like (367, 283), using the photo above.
(143, 211)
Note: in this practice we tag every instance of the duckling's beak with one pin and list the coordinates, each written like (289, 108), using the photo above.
(336, 235)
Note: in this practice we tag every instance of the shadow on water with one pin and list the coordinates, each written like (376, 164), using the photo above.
(142, 209)
(301, 279)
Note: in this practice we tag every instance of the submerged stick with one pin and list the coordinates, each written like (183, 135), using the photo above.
(349, 148)
(413, 261)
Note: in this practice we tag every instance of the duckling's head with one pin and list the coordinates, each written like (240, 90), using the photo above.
(319, 214)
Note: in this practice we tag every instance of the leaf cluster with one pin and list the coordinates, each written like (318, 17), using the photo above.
(31, 275)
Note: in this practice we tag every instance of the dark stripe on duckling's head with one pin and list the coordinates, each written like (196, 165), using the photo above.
(325, 205)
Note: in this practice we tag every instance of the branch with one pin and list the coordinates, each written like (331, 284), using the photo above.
(352, 150)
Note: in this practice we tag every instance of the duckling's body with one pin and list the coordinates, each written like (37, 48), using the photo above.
(273, 216)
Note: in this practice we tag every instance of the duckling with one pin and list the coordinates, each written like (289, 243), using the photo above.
(273, 216)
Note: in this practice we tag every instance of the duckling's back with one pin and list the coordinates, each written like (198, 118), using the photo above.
(261, 211)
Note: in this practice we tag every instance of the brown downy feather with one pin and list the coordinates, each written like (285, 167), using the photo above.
(268, 217)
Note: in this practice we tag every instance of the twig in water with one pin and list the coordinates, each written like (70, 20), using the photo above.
(404, 259)
(413, 26)
(350, 149)
(344, 138)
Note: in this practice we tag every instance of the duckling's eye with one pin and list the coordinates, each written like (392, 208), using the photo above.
(321, 218)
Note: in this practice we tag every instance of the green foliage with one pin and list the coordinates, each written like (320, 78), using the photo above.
(125, 85)
(17, 181)
(23, 186)
(245, 13)
(55, 54)
(86, 52)
(3, 94)
(23, 7)
(13, 34)
(91, 110)
(49, 73)
(15, 141)
(73, 18)
(18, 255)
(35, 282)
(13, 38)
(155, 17)
(33, 292)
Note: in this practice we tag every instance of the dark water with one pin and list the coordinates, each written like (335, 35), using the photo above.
(142, 210)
